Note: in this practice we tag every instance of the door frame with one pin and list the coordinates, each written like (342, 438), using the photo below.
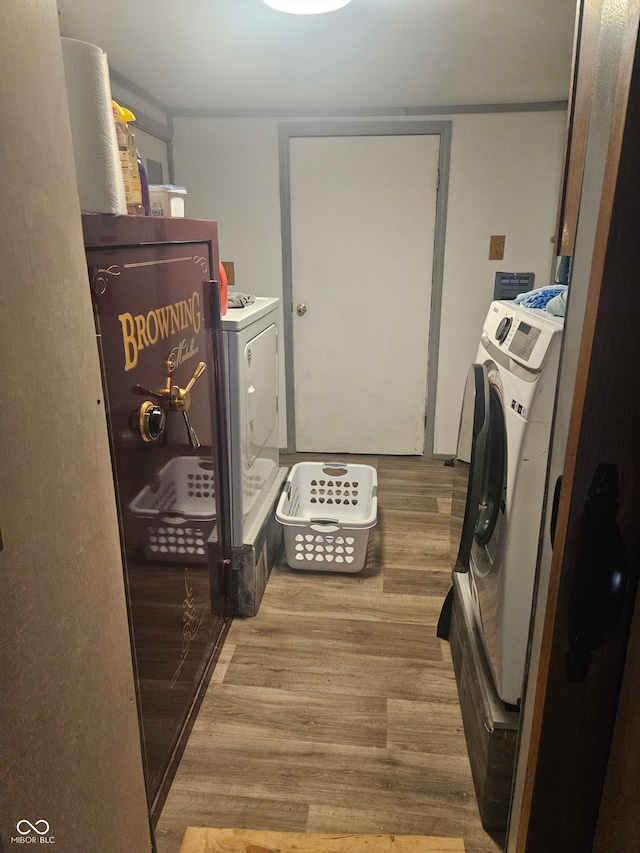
(292, 130)
(566, 759)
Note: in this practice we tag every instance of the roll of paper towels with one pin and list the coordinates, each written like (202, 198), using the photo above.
(95, 147)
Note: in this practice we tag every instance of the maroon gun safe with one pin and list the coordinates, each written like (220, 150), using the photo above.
(154, 286)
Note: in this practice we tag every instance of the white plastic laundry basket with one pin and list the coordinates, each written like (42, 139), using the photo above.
(180, 511)
(327, 510)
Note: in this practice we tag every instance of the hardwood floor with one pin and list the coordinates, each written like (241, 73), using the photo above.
(335, 709)
(207, 840)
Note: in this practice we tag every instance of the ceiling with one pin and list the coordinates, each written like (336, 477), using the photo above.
(373, 54)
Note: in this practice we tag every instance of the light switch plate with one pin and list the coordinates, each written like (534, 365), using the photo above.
(231, 275)
(496, 247)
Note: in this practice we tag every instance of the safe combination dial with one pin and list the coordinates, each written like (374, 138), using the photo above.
(152, 421)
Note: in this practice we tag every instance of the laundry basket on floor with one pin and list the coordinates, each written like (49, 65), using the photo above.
(326, 511)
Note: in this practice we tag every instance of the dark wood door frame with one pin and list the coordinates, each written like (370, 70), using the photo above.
(573, 724)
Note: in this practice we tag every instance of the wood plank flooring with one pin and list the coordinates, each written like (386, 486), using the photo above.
(335, 709)
(197, 840)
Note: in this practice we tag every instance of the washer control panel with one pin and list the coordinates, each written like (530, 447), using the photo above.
(524, 335)
(524, 340)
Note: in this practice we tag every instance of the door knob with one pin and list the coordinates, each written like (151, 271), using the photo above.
(301, 309)
(599, 595)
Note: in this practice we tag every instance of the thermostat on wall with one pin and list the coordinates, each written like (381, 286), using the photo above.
(509, 284)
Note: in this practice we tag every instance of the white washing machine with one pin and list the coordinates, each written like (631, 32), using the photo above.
(250, 337)
(499, 480)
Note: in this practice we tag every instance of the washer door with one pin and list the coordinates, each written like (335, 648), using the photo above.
(261, 391)
(469, 470)
(494, 469)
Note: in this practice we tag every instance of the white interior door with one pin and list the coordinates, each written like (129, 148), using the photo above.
(362, 232)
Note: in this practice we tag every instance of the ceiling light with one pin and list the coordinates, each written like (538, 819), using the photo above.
(306, 7)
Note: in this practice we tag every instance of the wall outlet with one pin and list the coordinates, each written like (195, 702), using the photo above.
(496, 247)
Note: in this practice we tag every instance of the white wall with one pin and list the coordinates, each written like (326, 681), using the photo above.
(230, 168)
(504, 179)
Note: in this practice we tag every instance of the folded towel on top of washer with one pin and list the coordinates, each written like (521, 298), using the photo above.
(240, 300)
(558, 305)
(539, 297)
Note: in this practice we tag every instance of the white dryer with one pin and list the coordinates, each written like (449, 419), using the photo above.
(250, 339)
(499, 480)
